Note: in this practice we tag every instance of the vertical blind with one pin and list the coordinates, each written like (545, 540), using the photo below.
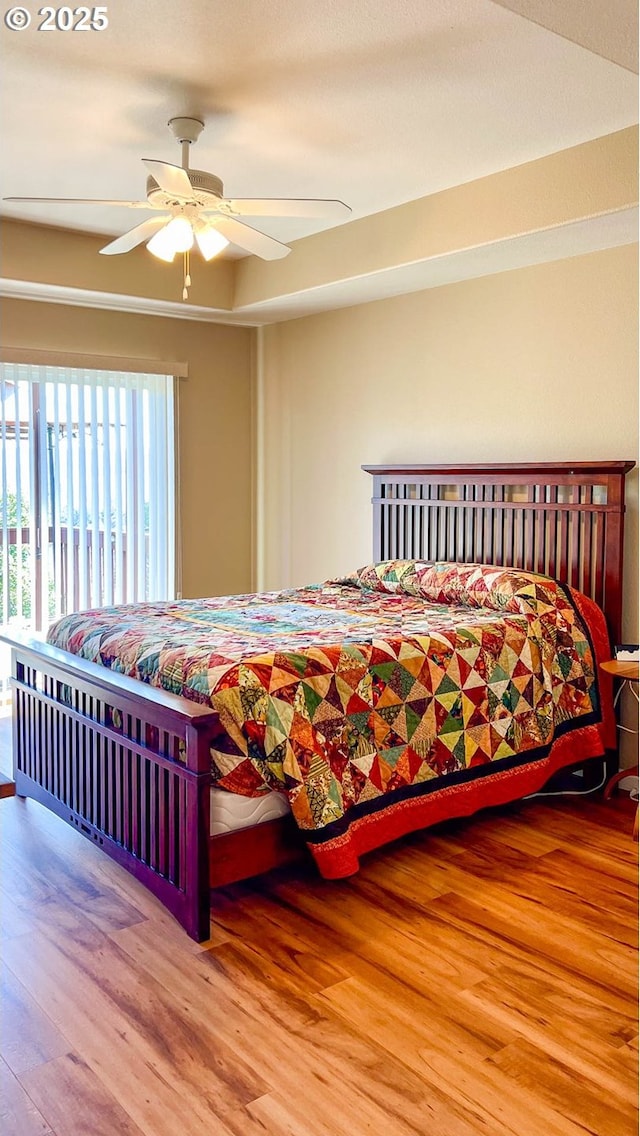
(88, 475)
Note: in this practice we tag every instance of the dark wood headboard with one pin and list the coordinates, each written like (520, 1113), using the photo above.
(563, 519)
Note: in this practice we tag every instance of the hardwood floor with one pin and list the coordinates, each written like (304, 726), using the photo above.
(477, 979)
(7, 786)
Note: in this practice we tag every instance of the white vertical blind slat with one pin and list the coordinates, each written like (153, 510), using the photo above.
(119, 490)
(106, 483)
(131, 492)
(160, 476)
(168, 478)
(155, 502)
(140, 499)
(97, 598)
(42, 576)
(72, 596)
(151, 471)
(54, 391)
(27, 573)
(81, 474)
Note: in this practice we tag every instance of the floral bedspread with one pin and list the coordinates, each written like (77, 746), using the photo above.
(379, 687)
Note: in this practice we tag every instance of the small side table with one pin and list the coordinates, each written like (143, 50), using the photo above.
(627, 671)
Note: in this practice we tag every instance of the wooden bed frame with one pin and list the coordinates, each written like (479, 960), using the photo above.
(129, 766)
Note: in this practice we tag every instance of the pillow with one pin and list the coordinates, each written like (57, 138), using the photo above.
(487, 586)
(468, 585)
(386, 576)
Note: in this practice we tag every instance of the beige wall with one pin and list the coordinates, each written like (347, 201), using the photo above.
(215, 409)
(536, 364)
(42, 254)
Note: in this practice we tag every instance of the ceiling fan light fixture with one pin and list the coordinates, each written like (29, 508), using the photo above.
(210, 241)
(161, 249)
(177, 236)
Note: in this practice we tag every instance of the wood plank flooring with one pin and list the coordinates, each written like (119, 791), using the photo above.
(477, 980)
(7, 784)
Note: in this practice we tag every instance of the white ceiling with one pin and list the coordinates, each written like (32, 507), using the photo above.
(376, 102)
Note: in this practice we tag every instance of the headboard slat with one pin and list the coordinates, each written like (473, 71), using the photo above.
(564, 519)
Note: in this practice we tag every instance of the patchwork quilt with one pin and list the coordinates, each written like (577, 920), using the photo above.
(379, 702)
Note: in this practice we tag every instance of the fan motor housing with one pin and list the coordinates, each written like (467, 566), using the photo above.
(206, 187)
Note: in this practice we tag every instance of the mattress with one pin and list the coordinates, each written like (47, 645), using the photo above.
(230, 812)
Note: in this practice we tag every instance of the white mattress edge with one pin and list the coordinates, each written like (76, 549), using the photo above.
(230, 812)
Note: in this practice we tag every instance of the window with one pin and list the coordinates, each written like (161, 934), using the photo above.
(87, 511)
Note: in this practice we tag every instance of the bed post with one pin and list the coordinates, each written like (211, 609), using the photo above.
(376, 501)
(612, 603)
(198, 913)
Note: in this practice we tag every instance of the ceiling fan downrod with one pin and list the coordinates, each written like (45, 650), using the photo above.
(186, 131)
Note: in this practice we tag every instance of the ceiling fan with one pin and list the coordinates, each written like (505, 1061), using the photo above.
(194, 211)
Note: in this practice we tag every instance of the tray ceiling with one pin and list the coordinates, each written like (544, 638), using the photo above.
(375, 103)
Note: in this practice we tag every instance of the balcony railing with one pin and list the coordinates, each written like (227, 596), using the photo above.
(74, 579)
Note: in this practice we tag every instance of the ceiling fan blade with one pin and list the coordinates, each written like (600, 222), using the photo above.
(250, 239)
(136, 236)
(288, 207)
(80, 201)
(172, 179)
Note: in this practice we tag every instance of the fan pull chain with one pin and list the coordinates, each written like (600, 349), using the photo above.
(187, 276)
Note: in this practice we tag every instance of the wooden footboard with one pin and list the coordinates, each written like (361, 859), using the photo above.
(126, 765)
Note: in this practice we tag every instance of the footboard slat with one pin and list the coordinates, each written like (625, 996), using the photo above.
(144, 819)
(171, 829)
(121, 769)
(128, 769)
